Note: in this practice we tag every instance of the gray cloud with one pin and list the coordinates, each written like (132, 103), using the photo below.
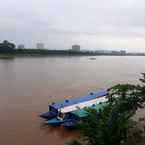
(60, 23)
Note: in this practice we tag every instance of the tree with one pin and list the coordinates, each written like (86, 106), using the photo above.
(132, 95)
(7, 47)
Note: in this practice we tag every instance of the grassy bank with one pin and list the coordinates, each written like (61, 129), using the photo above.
(7, 56)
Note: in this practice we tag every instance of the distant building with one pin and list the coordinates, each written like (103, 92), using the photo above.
(113, 52)
(21, 46)
(122, 52)
(76, 47)
(40, 46)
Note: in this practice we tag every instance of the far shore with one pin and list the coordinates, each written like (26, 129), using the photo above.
(13, 55)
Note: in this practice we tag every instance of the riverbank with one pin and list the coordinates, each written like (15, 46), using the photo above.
(7, 56)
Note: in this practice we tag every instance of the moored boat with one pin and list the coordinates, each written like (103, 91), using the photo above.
(68, 118)
(92, 58)
(57, 110)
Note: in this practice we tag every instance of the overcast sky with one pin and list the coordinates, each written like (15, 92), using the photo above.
(93, 24)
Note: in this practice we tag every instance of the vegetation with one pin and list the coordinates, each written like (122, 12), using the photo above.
(7, 56)
(7, 47)
(51, 52)
(113, 125)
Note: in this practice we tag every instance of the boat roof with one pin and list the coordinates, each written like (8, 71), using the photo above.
(82, 99)
(82, 105)
(83, 112)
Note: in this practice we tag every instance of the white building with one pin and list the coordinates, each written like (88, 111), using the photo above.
(76, 47)
(40, 46)
(21, 46)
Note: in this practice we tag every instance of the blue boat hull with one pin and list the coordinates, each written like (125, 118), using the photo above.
(70, 124)
(55, 121)
(48, 115)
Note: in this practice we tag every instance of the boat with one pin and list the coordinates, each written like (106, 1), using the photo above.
(64, 113)
(92, 58)
(70, 104)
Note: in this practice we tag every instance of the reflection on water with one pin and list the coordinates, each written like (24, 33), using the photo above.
(27, 85)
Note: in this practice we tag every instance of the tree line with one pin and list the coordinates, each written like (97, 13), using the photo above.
(7, 47)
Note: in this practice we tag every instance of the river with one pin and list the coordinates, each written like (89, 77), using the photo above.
(28, 84)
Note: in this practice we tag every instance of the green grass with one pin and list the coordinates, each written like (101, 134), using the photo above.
(7, 56)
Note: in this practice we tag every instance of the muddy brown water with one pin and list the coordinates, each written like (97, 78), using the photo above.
(27, 85)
